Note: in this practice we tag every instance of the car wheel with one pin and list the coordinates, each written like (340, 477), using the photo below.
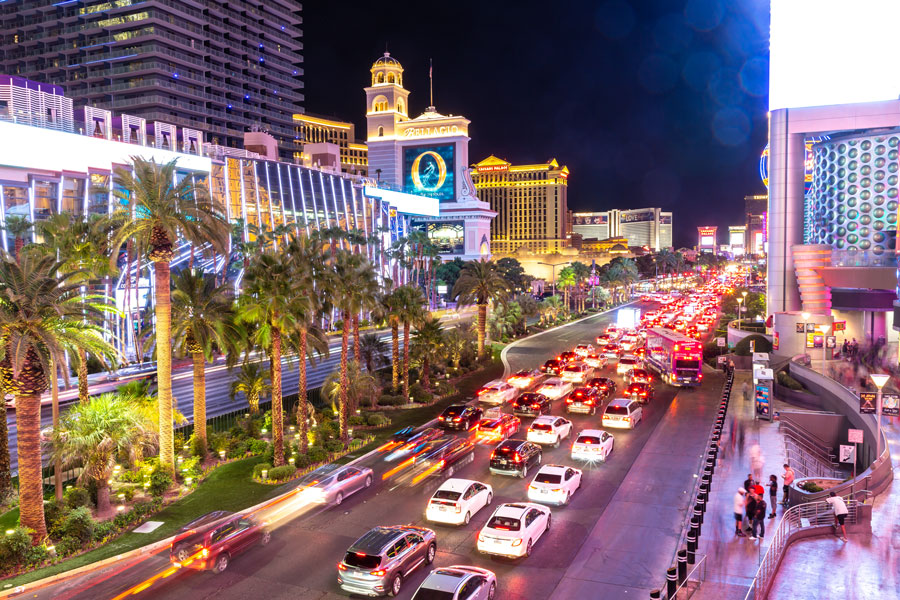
(429, 556)
(549, 517)
(266, 538)
(524, 472)
(492, 591)
(368, 480)
(556, 443)
(528, 549)
(396, 584)
(490, 498)
(467, 518)
(182, 555)
(221, 563)
(338, 498)
(568, 499)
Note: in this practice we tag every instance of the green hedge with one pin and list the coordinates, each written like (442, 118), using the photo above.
(761, 344)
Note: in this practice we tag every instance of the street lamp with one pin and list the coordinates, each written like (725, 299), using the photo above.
(740, 310)
(553, 266)
(824, 328)
(879, 379)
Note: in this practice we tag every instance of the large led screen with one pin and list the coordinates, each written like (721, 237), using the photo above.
(825, 52)
(428, 171)
(448, 236)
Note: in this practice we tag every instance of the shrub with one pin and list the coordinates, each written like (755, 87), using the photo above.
(316, 454)
(761, 344)
(160, 481)
(377, 420)
(258, 446)
(334, 446)
(180, 441)
(54, 513)
(68, 545)
(79, 524)
(237, 448)
(15, 547)
(197, 448)
(260, 467)
(327, 414)
(282, 473)
(301, 461)
(103, 530)
(128, 492)
(190, 467)
(785, 379)
(77, 496)
(135, 476)
(811, 487)
(216, 442)
(389, 400)
(356, 420)
(418, 393)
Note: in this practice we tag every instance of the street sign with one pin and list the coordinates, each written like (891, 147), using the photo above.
(855, 436)
(848, 454)
(720, 360)
(760, 356)
(840, 326)
(867, 403)
(890, 405)
(720, 342)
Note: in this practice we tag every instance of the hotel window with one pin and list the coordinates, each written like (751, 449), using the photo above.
(45, 198)
(98, 199)
(73, 196)
(15, 201)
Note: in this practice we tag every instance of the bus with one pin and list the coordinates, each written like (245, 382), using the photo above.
(677, 358)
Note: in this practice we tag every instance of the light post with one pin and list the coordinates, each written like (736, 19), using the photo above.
(740, 310)
(879, 379)
(553, 266)
(824, 328)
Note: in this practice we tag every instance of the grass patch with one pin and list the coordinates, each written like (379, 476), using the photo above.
(227, 488)
(9, 519)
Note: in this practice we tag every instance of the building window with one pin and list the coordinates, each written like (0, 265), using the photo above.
(380, 131)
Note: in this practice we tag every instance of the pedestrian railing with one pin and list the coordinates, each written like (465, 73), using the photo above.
(807, 456)
(794, 520)
(691, 583)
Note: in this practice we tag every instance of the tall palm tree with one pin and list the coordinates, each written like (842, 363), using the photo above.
(363, 298)
(410, 301)
(551, 308)
(566, 281)
(268, 303)
(428, 339)
(18, 228)
(252, 382)
(480, 284)
(41, 314)
(95, 433)
(202, 323)
(160, 212)
(387, 309)
(581, 272)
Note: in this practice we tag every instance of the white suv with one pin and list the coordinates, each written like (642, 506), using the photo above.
(457, 500)
(627, 363)
(549, 430)
(577, 373)
(554, 484)
(592, 444)
(497, 392)
(513, 529)
(556, 388)
(623, 414)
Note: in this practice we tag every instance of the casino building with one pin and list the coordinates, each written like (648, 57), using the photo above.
(651, 227)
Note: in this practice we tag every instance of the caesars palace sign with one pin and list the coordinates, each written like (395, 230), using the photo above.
(433, 131)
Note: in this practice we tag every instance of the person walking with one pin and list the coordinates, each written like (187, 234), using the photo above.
(750, 510)
(757, 462)
(759, 519)
(739, 511)
(773, 493)
(745, 391)
(730, 367)
(840, 513)
(788, 480)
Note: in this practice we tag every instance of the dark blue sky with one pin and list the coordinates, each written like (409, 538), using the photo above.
(649, 102)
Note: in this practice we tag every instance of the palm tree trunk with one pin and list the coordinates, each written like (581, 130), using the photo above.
(19, 244)
(31, 486)
(82, 376)
(277, 409)
(345, 343)
(54, 401)
(406, 360)
(199, 403)
(395, 353)
(164, 364)
(426, 380)
(302, 401)
(253, 401)
(5, 469)
(103, 506)
(482, 324)
(356, 344)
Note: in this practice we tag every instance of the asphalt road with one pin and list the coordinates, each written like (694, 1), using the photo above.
(300, 562)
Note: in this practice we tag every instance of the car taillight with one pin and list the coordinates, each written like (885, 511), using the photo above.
(556, 490)
(204, 553)
(457, 420)
(516, 457)
(342, 567)
(517, 542)
(378, 573)
(588, 402)
(458, 508)
(535, 406)
(626, 418)
(569, 400)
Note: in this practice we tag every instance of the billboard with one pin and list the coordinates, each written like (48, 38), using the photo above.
(428, 171)
(448, 236)
(822, 52)
(595, 219)
(636, 216)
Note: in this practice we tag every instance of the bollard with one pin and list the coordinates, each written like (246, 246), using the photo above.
(701, 504)
(655, 594)
(696, 526)
(671, 582)
(698, 512)
(703, 492)
(691, 547)
(710, 465)
(682, 566)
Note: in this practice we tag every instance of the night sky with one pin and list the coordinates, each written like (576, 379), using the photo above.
(649, 102)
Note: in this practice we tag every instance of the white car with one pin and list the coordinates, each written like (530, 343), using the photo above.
(522, 380)
(513, 529)
(458, 582)
(622, 414)
(583, 350)
(457, 500)
(549, 430)
(629, 342)
(554, 484)
(577, 373)
(592, 445)
(595, 360)
(497, 392)
(627, 363)
(555, 388)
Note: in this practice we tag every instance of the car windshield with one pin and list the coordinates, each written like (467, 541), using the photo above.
(431, 594)
(617, 410)
(540, 427)
(548, 478)
(587, 439)
(446, 495)
(362, 560)
(504, 523)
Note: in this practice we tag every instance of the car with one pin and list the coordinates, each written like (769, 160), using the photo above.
(332, 483)
(640, 353)
(583, 400)
(639, 375)
(628, 342)
(458, 582)
(551, 367)
(549, 430)
(611, 351)
(577, 372)
(567, 357)
(207, 519)
(442, 457)
(531, 405)
(622, 413)
(493, 430)
(458, 500)
(460, 416)
(642, 392)
(583, 350)
(214, 544)
(497, 392)
(627, 363)
(522, 380)
(554, 484)
(414, 444)
(612, 331)
(377, 563)
(556, 388)
(595, 360)
(515, 457)
(603, 340)
(605, 386)
(513, 529)
(592, 444)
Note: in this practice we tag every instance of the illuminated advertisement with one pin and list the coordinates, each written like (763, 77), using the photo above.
(707, 241)
(665, 219)
(449, 236)
(637, 216)
(428, 171)
(707, 236)
(601, 219)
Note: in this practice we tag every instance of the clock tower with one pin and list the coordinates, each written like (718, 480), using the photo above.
(386, 107)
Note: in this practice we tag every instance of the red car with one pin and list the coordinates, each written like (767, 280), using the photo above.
(494, 431)
(213, 545)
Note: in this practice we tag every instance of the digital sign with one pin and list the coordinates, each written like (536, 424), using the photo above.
(601, 219)
(428, 171)
(448, 236)
(637, 216)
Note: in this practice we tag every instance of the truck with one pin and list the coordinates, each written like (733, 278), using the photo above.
(677, 358)
(628, 317)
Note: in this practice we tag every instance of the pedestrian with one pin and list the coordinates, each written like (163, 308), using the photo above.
(845, 349)
(750, 510)
(730, 367)
(840, 513)
(740, 438)
(724, 367)
(788, 480)
(757, 461)
(773, 493)
(748, 483)
(759, 519)
(745, 391)
(739, 511)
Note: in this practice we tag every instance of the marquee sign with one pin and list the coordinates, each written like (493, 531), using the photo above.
(428, 171)
(441, 130)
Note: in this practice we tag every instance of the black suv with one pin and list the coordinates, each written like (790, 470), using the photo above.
(514, 457)
(583, 400)
(531, 405)
(552, 366)
(448, 456)
(378, 562)
(605, 386)
(460, 416)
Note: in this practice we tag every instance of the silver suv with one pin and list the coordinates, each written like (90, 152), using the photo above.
(378, 562)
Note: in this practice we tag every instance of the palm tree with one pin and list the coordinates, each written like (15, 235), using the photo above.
(95, 433)
(581, 272)
(359, 387)
(137, 393)
(505, 319)
(202, 323)
(252, 382)
(18, 228)
(363, 298)
(666, 260)
(479, 283)
(388, 308)
(565, 281)
(427, 342)
(268, 303)
(454, 345)
(551, 308)
(372, 350)
(409, 310)
(160, 212)
(42, 313)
